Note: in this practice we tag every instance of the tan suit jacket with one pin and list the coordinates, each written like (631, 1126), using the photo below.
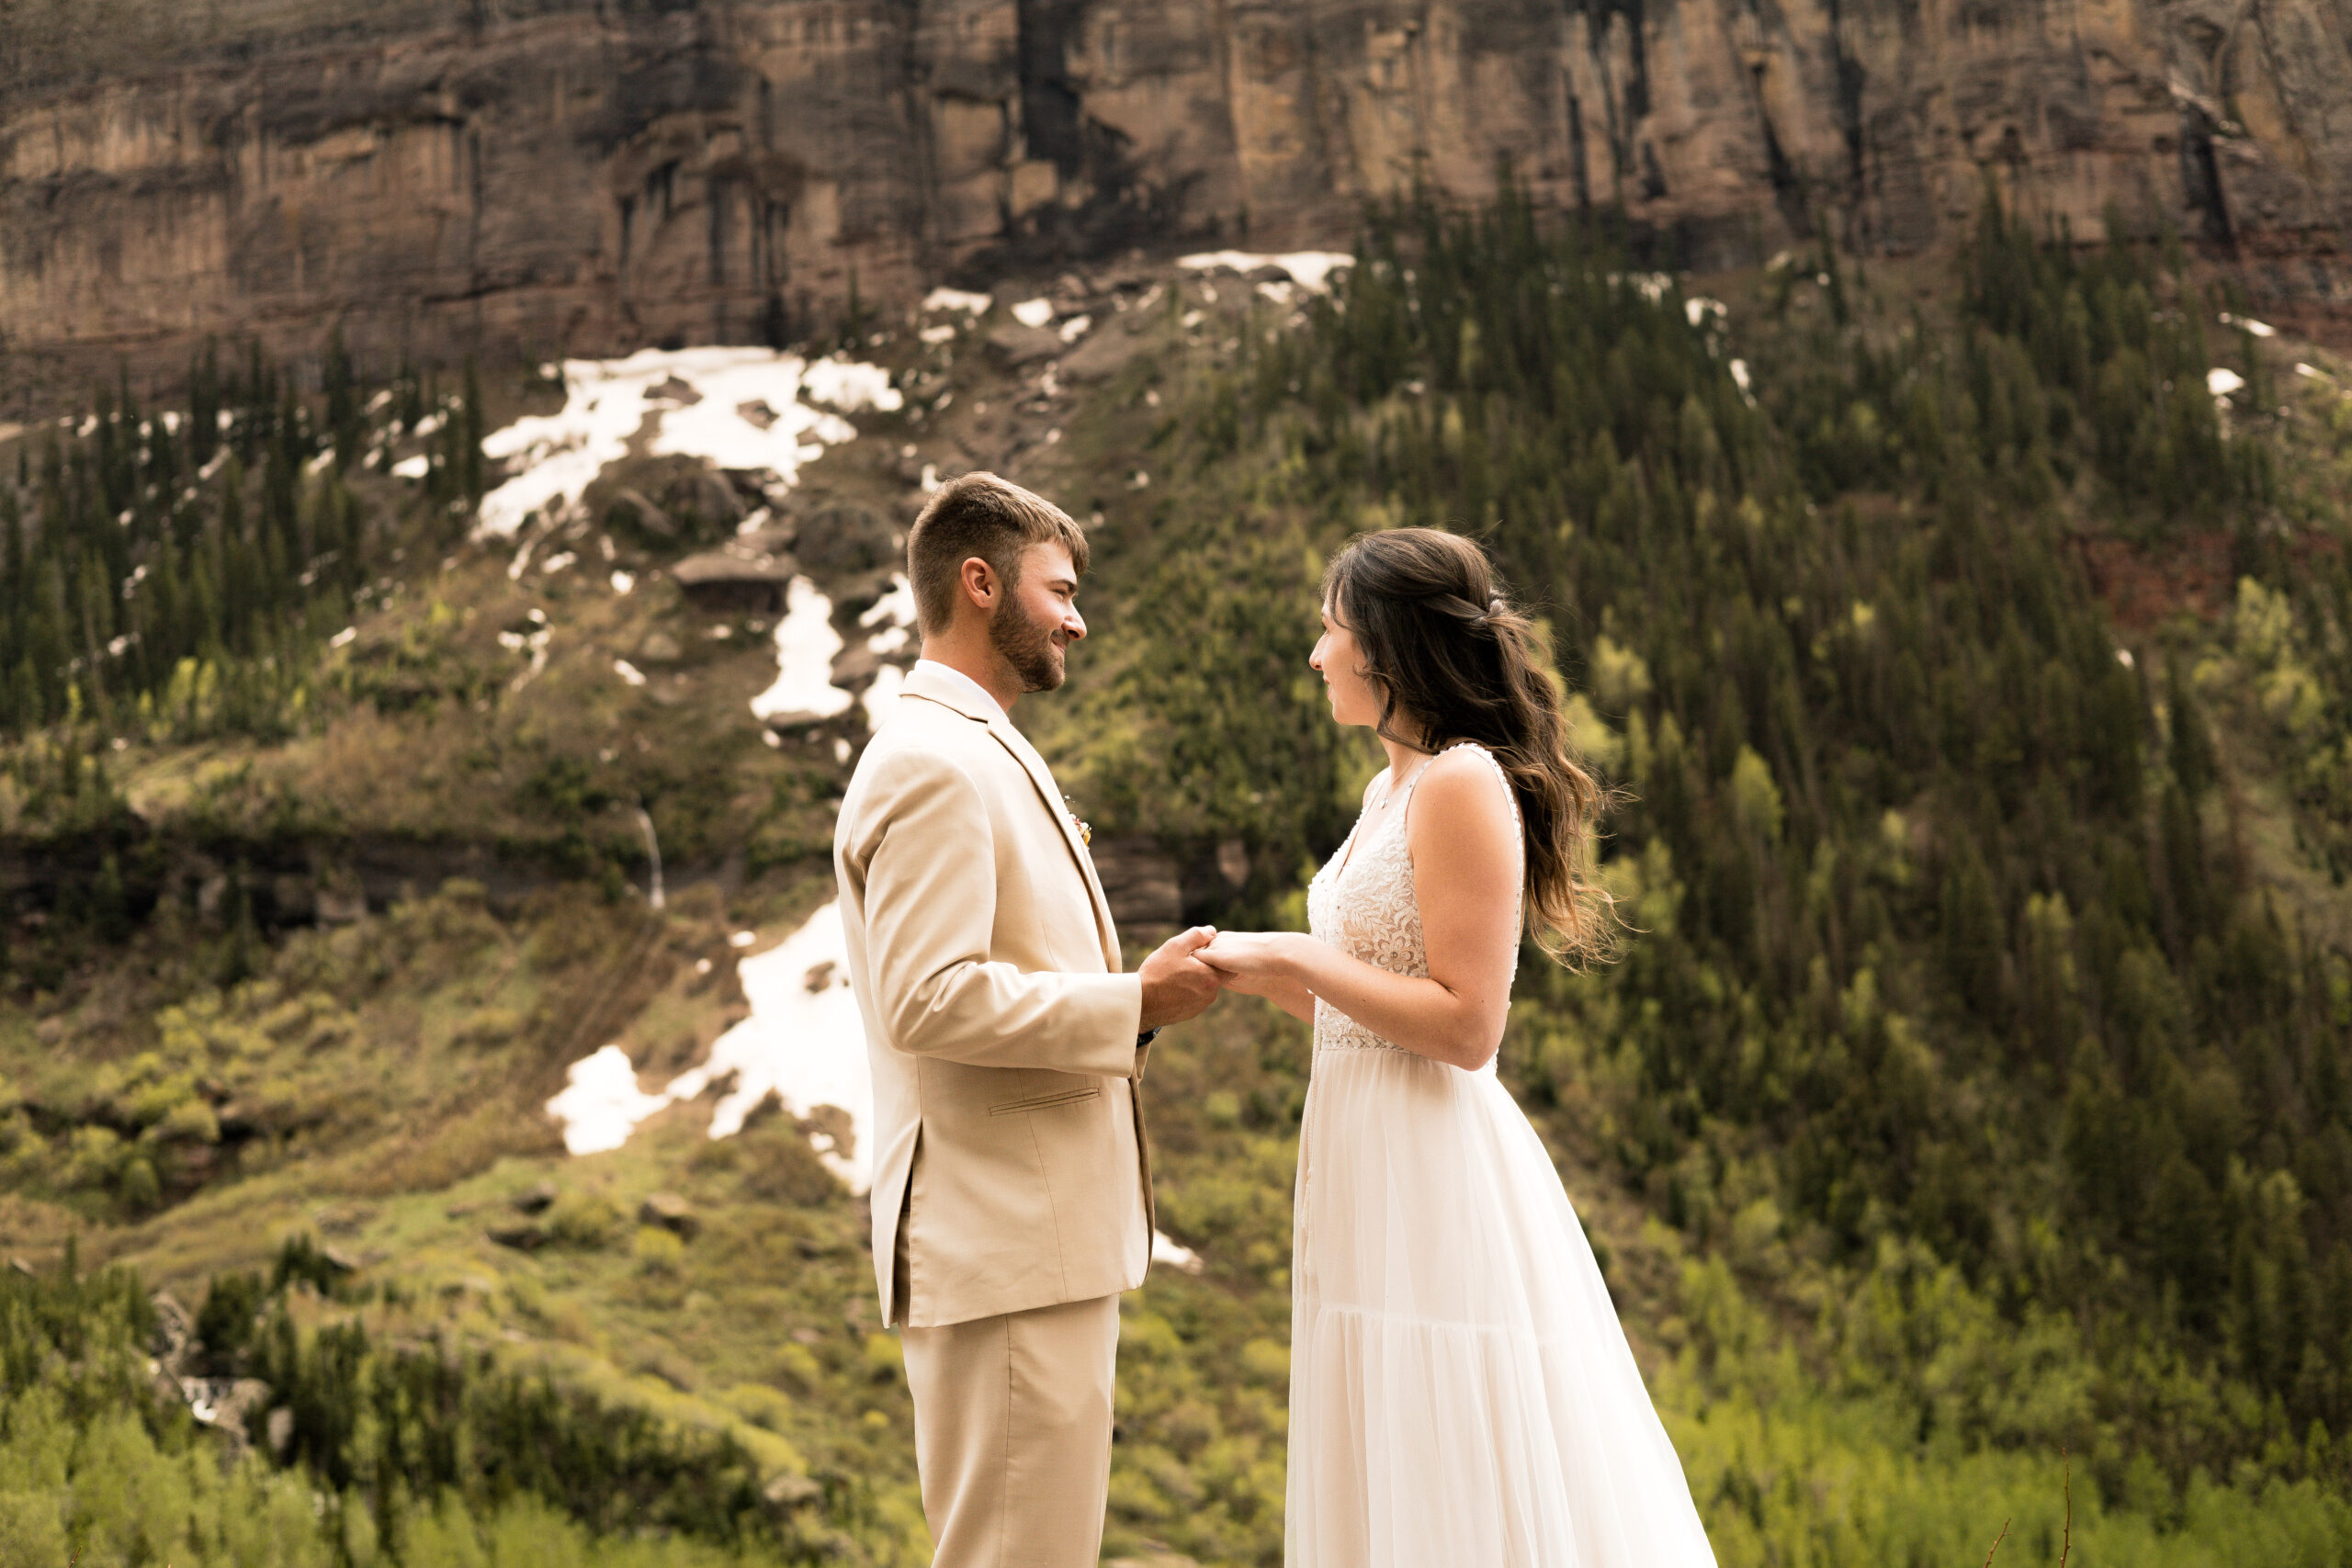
(1002, 1035)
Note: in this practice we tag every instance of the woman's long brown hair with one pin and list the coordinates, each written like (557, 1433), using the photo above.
(1447, 651)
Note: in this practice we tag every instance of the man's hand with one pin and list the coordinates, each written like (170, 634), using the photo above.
(1176, 984)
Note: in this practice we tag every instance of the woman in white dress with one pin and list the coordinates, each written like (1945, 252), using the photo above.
(1462, 1395)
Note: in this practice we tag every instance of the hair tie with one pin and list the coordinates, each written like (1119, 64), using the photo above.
(1496, 608)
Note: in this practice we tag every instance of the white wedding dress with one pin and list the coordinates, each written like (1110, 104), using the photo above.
(1461, 1394)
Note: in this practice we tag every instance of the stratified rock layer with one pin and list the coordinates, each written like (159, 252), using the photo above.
(443, 178)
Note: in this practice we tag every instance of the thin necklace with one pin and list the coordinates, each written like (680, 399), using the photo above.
(1394, 784)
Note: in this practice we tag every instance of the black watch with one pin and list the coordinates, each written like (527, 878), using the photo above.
(1145, 1038)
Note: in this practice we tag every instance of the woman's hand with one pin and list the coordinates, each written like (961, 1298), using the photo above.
(1260, 963)
(1248, 955)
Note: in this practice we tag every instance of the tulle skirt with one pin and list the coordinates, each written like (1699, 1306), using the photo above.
(1462, 1395)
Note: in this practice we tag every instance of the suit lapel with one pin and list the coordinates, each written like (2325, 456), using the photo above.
(948, 694)
(1034, 765)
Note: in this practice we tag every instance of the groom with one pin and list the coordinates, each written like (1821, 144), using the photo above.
(1012, 1196)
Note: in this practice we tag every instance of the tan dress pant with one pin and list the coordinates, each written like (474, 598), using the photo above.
(1013, 1434)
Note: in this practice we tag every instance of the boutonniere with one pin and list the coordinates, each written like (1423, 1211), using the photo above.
(1085, 832)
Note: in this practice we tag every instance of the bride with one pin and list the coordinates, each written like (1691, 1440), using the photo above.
(1460, 1392)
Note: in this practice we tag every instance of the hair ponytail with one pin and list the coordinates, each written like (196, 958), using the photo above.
(1448, 652)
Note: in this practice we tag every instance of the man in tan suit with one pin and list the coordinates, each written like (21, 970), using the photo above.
(1012, 1192)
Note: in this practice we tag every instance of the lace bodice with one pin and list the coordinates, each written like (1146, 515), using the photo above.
(1362, 902)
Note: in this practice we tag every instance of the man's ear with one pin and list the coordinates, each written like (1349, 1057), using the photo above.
(978, 583)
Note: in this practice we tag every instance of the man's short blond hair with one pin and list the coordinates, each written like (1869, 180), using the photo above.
(979, 515)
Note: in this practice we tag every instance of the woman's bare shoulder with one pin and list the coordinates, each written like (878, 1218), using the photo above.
(1468, 772)
(1462, 791)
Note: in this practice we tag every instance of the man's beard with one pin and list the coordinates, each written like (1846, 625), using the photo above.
(1026, 645)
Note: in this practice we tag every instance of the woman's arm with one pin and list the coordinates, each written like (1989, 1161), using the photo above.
(1287, 994)
(1467, 882)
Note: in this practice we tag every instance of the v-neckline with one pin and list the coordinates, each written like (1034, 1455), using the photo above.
(1389, 807)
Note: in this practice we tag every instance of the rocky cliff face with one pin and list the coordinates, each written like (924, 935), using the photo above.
(438, 175)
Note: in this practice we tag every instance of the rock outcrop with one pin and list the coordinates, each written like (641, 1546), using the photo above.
(529, 178)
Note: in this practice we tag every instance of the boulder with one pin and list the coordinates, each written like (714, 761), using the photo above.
(722, 582)
(1017, 346)
(1100, 357)
(846, 537)
(785, 1492)
(856, 663)
(174, 1328)
(652, 502)
(671, 1213)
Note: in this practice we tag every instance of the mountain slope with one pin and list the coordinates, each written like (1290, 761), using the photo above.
(1969, 1095)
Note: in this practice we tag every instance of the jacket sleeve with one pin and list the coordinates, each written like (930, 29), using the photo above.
(929, 861)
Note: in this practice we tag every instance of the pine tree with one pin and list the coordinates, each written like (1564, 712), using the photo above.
(2191, 752)
(109, 907)
(472, 472)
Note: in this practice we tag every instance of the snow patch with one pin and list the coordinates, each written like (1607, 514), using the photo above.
(957, 299)
(803, 1039)
(880, 701)
(1176, 1256)
(805, 646)
(851, 386)
(601, 1104)
(892, 616)
(607, 402)
(1309, 269)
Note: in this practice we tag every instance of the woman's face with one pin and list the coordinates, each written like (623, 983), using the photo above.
(1354, 700)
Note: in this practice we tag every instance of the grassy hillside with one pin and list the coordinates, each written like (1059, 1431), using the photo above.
(1964, 1132)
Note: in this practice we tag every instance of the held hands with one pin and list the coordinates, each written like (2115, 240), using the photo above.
(1249, 962)
(1176, 984)
(1247, 955)
(1271, 964)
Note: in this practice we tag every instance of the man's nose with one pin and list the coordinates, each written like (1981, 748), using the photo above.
(1075, 626)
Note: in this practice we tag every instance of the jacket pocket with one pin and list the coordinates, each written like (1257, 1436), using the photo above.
(1046, 1102)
